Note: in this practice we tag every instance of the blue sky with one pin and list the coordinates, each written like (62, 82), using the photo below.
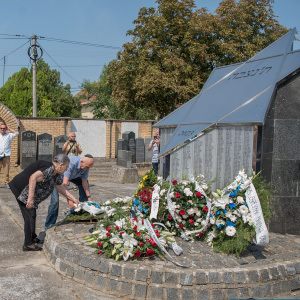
(101, 22)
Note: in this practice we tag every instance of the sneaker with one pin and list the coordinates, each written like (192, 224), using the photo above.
(7, 186)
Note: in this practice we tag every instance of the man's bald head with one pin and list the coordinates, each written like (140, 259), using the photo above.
(86, 163)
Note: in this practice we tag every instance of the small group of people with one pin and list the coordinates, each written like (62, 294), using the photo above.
(43, 178)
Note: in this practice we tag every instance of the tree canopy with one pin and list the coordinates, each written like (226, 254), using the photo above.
(53, 98)
(175, 47)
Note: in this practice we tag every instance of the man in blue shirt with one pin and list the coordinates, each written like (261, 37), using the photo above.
(77, 173)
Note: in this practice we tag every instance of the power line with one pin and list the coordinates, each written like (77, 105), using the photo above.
(79, 43)
(60, 67)
(14, 50)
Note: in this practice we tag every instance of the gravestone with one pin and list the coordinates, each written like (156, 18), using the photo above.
(28, 153)
(121, 145)
(124, 158)
(140, 150)
(44, 142)
(129, 137)
(148, 154)
(59, 142)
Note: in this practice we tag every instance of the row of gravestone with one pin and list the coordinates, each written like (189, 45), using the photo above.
(132, 150)
(39, 147)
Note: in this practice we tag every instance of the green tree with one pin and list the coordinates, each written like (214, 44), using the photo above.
(53, 99)
(175, 47)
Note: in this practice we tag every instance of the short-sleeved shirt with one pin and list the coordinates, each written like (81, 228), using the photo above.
(74, 170)
(20, 184)
(72, 150)
(5, 142)
(155, 152)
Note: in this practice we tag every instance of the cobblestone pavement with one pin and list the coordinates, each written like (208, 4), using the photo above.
(272, 272)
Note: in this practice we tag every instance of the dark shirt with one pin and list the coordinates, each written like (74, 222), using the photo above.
(20, 184)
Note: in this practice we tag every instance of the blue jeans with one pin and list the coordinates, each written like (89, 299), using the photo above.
(54, 203)
(155, 167)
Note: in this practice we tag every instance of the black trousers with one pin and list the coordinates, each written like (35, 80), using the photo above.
(29, 216)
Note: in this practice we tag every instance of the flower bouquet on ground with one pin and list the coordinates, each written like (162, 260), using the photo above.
(232, 228)
(125, 238)
(188, 206)
(85, 211)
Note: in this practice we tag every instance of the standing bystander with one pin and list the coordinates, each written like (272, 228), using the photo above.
(5, 150)
(154, 146)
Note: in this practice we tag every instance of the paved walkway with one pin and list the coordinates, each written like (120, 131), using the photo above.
(78, 273)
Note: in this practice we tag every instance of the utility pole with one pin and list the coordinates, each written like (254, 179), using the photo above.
(3, 70)
(34, 106)
(33, 54)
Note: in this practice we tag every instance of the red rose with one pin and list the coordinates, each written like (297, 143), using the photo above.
(158, 234)
(149, 252)
(153, 243)
(134, 219)
(200, 234)
(182, 212)
(117, 227)
(152, 225)
(137, 253)
(170, 217)
(121, 233)
(141, 244)
(174, 182)
(99, 252)
(181, 226)
(205, 208)
(135, 228)
(143, 221)
(108, 228)
(191, 216)
(192, 221)
(147, 240)
(99, 244)
(138, 233)
(108, 234)
(198, 194)
(177, 195)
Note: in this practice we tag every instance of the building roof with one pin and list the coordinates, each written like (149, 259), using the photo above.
(238, 93)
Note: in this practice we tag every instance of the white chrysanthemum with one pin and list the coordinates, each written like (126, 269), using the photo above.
(244, 209)
(188, 192)
(228, 214)
(240, 200)
(212, 220)
(162, 192)
(230, 230)
(185, 217)
(198, 213)
(171, 195)
(219, 222)
(203, 222)
(108, 202)
(191, 202)
(204, 186)
(190, 211)
(237, 213)
(196, 224)
(183, 222)
(233, 218)
(178, 219)
(184, 182)
(248, 219)
(199, 220)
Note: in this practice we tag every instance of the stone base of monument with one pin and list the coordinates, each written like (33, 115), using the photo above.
(259, 273)
(125, 175)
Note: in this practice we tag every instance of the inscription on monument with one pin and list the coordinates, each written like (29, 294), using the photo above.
(45, 147)
(28, 154)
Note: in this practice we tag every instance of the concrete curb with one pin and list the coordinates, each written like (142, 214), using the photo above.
(68, 253)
